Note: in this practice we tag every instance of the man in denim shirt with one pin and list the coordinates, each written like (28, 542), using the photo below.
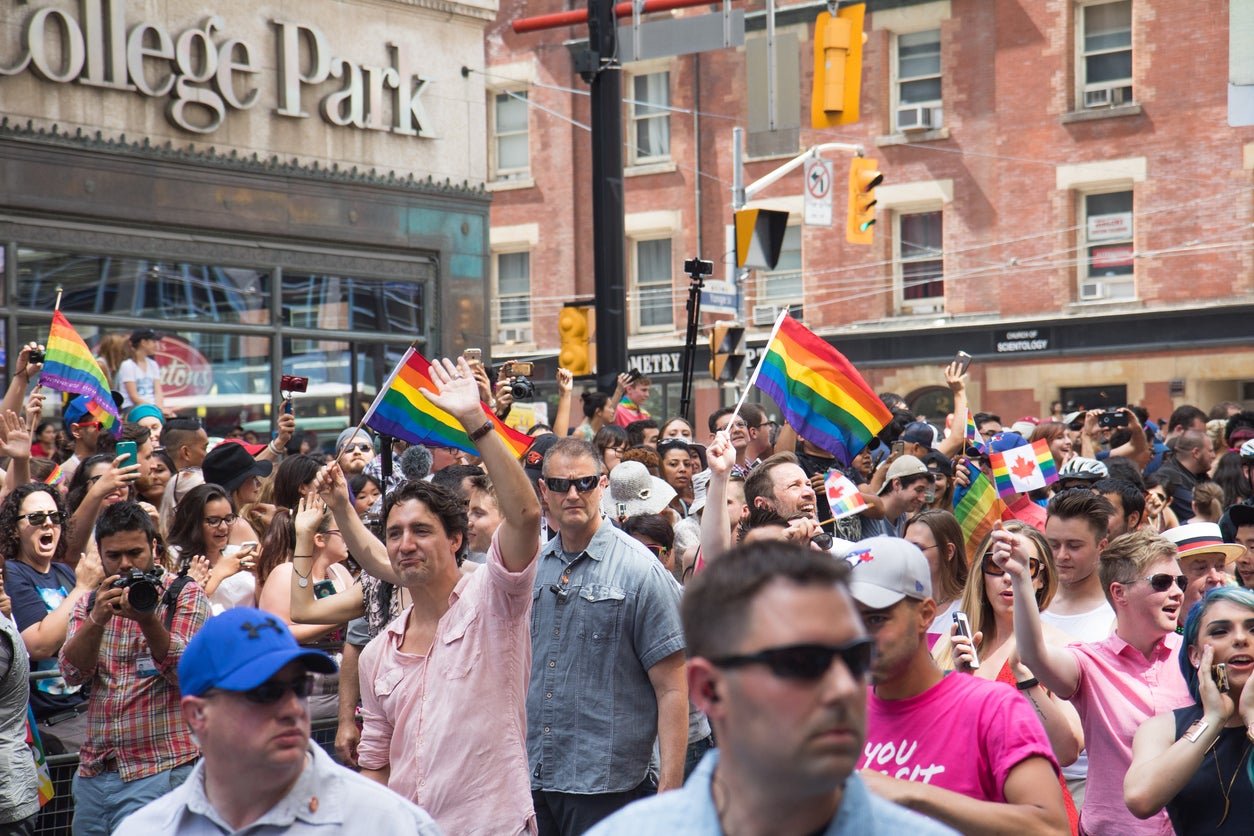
(607, 666)
(778, 659)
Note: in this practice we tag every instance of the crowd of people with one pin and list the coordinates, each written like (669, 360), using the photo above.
(633, 628)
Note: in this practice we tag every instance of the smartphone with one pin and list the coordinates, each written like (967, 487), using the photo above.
(1112, 418)
(899, 447)
(963, 360)
(127, 448)
(324, 589)
(1220, 674)
(520, 369)
(473, 355)
(964, 629)
(235, 548)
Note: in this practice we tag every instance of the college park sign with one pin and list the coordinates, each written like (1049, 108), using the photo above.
(203, 74)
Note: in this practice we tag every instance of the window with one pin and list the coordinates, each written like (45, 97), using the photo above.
(649, 119)
(919, 81)
(781, 287)
(920, 261)
(1106, 54)
(1106, 231)
(654, 284)
(513, 293)
(510, 153)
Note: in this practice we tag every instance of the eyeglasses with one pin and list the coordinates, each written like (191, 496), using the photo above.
(271, 691)
(214, 522)
(582, 484)
(362, 447)
(657, 549)
(991, 568)
(807, 662)
(1163, 582)
(39, 517)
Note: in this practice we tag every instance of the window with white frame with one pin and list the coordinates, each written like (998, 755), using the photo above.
(920, 261)
(649, 119)
(1105, 60)
(918, 81)
(513, 294)
(781, 287)
(651, 274)
(510, 148)
(1106, 270)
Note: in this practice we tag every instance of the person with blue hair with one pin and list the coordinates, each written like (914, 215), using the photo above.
(1195, 761)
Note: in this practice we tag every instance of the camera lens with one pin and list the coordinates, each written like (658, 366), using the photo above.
(522, 389)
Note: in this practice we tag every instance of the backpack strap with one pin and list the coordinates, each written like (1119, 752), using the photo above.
(171, 596)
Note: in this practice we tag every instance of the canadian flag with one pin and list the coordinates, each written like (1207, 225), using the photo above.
(1022, 469)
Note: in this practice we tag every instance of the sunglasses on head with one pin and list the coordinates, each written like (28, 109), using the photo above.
(270, 692)
(1162, 582)
(807, 662)
(582, 484)
(672, 444)
(991, 568)
(38, 517)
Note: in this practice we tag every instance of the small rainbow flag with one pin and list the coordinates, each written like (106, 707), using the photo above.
(69, 366)
(55, 477)
(403, 412)
(1023, 468)
(978, 509)
(819, 392)
(973, 436)
(42, 773)
(842, 495)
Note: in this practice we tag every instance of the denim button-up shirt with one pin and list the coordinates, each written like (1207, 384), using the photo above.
(599, 621)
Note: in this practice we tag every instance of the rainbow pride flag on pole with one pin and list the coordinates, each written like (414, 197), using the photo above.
(973, 436)
(819, 392)
(1023, 468)
(403, 412)
(843, 496)
(978, 509)
(69, 366)
(43, 774)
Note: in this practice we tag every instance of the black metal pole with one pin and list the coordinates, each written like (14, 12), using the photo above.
(697, 269)
(609, 263)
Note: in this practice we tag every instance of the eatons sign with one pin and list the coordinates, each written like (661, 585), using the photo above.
(203, 74)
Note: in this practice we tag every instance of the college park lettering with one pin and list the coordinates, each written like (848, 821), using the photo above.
(204, 75)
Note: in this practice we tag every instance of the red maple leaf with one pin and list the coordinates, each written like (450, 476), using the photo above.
(836, 490)
(1023, 468)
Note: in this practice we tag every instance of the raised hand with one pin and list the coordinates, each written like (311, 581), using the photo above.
(720, 456)
(1216, 705)
(955, 377)
(34, 408)
(14, 436)
(331, 486)
(565, 381)
(309, 513)
(1011, 552)
(458, 393)
(198, 570)
(24, 366)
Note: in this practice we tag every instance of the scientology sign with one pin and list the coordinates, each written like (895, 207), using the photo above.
(203, 73)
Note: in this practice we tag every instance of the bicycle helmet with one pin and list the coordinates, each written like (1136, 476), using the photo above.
(1088, 470)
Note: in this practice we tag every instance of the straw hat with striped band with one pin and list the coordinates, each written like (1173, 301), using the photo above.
(1196, 539)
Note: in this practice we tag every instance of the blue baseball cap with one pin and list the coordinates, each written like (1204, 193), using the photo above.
(1005, 441)
(75, 411)
(240, 649)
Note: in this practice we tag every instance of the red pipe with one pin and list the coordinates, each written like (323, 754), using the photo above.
(555, 21)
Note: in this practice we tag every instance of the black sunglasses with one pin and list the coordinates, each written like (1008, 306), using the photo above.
(1163, 582)
(807, 662)
(991, 568)
(38, 517)
(271, 691)
(583, 484)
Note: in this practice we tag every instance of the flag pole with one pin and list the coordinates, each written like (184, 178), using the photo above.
(387, 384)
(57, 306)
(753, 378)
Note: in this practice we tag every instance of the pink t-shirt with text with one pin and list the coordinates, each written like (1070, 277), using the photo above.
(964, 734)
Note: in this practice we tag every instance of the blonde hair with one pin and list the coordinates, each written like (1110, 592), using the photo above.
(975, 601)
(1128, 556)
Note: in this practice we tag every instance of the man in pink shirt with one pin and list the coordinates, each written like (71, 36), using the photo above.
(464, 644)
(1120, 682)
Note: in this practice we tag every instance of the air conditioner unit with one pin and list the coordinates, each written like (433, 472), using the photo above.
(1111, 95)
(915, 119)
(513, 335)
(1092, 290)
(764, 315)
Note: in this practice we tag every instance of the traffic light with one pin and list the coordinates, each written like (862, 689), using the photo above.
(864, 176)
(574, 327)
(759, 237)
(837, 67)
(727, 352)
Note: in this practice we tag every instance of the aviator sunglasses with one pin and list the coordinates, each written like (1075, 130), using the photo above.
(38, 517)
(806, 662)
(991, 568)
(1163, 582)
(582, 484)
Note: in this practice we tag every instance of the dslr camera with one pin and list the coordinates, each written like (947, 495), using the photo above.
(521, 386)
(143, 589)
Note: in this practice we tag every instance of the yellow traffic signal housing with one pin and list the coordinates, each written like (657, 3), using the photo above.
(760, 237)
(837, 67)
(574, 327)
(864, 176)
(727, 352)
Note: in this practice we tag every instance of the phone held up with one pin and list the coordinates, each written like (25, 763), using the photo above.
(473, 355)
(129, 450)
(964, 629)
(963, 360)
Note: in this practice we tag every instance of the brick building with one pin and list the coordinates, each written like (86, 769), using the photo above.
(1063, 198)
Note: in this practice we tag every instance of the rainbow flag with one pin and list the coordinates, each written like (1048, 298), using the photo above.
(973, 436)
(978, 509)
(55, 477)
(69, 366)
(403, 412)
(43, 774)
(1023, 468)
(819, 392)
(843, 496)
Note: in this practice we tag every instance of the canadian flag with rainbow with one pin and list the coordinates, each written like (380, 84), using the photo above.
(1022, 469)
